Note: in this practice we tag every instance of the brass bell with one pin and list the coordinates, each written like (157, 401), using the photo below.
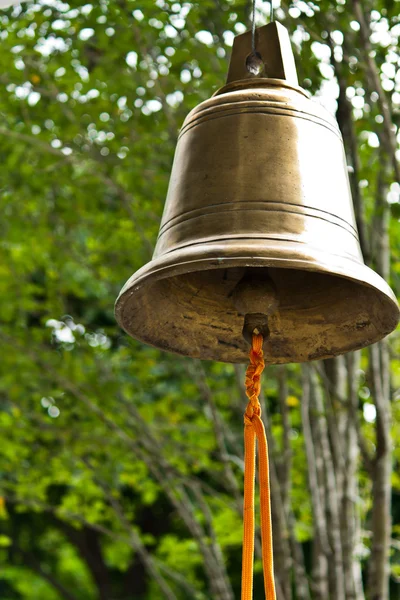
(258, 228)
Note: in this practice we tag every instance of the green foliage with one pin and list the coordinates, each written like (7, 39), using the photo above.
(91, 102)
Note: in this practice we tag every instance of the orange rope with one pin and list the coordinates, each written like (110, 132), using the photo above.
(254, 428)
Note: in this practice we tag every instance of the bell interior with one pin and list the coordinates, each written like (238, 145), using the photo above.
(319, 315)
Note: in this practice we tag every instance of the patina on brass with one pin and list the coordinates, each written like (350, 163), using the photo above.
(258, 192)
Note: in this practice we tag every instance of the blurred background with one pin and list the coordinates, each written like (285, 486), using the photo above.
(121, 467)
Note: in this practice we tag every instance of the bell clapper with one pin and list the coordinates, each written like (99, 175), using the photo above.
(256, 298)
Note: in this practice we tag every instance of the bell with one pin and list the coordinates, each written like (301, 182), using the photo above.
(258, 231)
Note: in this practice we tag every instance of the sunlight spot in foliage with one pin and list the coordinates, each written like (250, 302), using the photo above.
(186, 76)
(138, 15)
(123, 152)
(46, 402)
(294, 12)
(53, 411)
(98, 340)
(389, 70)
(93, 93)
(60, 72)
(125, 116)
(328, 94)
(154, 105)
(338, 53)
(337, 37)
(82, 72)
(86, 33)
(240, 27)
(374, 96)
(394, 194)
(373, 140)
(86, 9)
(163, 70)
(205, 37)
(47, 46)
(60, 24)
(177, 21)
(156, 23)
(175, 98)
(358, 102)
(131, 59)
(64, 334)
(380, 31)
(228, 37)
(33, 98)
(306, 8)
(62, 330)
(121, 102)
(61, 6)
(321, 51)
(298, 36)
(388, 85)
(369, 412)
(23, 91)
(170, 31)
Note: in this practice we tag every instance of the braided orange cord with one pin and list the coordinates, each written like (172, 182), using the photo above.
(253, 427)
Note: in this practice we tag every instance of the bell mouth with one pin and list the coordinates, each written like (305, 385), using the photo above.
(182, 302)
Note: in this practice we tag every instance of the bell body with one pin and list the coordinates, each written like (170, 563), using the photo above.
(259, 182)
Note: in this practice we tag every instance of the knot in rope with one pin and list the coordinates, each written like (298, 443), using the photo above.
(253, 379)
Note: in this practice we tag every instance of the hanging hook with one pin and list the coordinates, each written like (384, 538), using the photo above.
(254, 62)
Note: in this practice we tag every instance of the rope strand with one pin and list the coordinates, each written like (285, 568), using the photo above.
(254, 429)
(253, 28)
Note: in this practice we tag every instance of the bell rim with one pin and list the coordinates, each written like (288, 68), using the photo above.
(213, 256)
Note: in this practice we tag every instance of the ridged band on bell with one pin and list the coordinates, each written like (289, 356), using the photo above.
(259, 180)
